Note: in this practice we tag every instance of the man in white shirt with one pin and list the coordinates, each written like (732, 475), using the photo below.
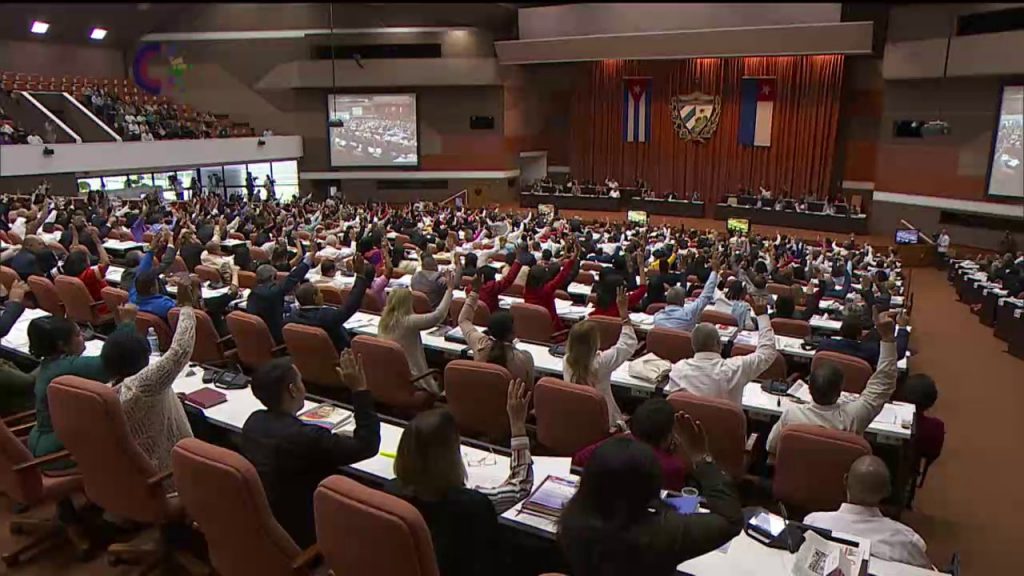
(867, 484)
(942, 244)
(708, 374)
(332, 251)
(826, 386)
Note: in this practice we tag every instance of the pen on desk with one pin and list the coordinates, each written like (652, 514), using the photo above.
(391, 455)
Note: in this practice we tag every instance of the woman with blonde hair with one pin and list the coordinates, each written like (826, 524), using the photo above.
(400, 325)
(586, 365)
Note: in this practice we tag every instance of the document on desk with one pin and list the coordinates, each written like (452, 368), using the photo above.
(544, 466)
(747, 337)
(890, 414)
(820, 557)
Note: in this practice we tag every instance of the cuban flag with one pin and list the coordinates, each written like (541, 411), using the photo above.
(636, 109)
(757, 102)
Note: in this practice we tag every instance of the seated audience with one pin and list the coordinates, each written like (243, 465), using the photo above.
(431, 475)
(93, 277)
(733, 302)
(679, 314)
(330, 319)
(851, 343)
(15, 385)
(867, 485)
(428, 281)
(497, 346)
(929, 431)
(266, 299)
(293, 457)
(826, 386)
(541, 286)
(399, 324)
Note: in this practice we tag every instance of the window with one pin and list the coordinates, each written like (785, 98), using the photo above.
(259, 171)
(114, 182)
(286, 179)
(87, 184)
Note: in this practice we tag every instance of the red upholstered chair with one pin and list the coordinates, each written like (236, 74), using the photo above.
(7, 277)
(670, 344)
(591, 266)
(114, 297)
(259, 255)
(790, 327)
(246, 279)
(118, 477)
(46, 295)
(570, 417)
(332, 295)
(726, 428)
(207, 273)
(210, 348)
(481, 315)
(144, 321)
(533, 323)
(222, 493)
(253, 342)
(779, 289)
(585, 277)
(655, 308)
(313, 354)
(856, 371)
(810, 464)
(392, 383)
(778, 370)
(608, 329)
(79, 303)
(236, 236)
(420, 303)
(516, 290)
(22, 480)
(364, 531)
(716, 317)
(477, 393)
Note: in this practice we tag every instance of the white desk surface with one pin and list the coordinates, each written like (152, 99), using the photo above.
(123, 245)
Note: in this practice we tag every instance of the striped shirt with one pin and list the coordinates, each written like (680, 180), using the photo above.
(519, 483)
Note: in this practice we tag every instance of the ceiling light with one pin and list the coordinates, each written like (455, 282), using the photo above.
(40, 27)
(98, 33)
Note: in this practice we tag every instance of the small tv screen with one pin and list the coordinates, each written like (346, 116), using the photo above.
(907, 236)
(637, 217)
(546, 209)
(738, 225)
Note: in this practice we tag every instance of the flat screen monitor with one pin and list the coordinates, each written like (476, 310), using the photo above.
(738, 225)
(546, 209)
(1006, 172)
(815, 206)
(907, 237)
(372, 130)
(637, 217)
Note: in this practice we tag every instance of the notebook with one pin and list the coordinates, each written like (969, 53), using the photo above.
(550, 498)
(206, 397)
(327, 416)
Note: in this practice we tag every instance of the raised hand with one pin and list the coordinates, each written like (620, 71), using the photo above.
(18, 290)
(350, 370)
(517, 406)
(886, 326)
(127, 312)
(690, 434)
(478, 282)
(622, 302)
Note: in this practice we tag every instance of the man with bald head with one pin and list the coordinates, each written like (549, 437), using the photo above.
(708, 374)
(34, 258)
(867, 484)
(679, 315)
(826, 386)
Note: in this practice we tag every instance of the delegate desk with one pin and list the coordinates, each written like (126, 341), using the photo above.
(1016, 334)
(1007, 309)
(663, 207)
(572, 201)
(789, 219)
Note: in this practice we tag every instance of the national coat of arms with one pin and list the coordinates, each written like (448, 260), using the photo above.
(696, 115)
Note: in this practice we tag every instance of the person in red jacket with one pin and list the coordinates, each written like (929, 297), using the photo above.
(491, 288)
(609, 282)
(77, 265)
(540, 290)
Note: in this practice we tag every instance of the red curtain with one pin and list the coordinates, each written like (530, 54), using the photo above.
(804, 127)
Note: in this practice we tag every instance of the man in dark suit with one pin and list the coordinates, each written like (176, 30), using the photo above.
(34, 258)
(330, 319)
(867, 349)
(292, 457)
(266, 299)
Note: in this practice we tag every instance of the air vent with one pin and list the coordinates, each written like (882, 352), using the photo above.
(990, 22)
(376, 51)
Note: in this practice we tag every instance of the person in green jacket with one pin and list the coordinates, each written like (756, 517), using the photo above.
(58, 344)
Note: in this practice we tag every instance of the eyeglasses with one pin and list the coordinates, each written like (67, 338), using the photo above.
(488, 459)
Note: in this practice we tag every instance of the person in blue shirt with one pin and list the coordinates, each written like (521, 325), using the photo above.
(682, 316)
(148, 297)
(867, 348)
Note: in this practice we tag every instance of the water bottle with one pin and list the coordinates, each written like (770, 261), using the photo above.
(154, 342)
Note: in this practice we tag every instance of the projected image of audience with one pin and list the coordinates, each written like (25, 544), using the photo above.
(373, 130)
(1007, 173)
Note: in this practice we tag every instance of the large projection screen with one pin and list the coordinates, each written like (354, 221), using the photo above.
(372, 130)
(1006, 174)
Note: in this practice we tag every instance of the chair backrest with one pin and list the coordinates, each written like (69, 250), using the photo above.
(717, 317)
(144, 321)
(332, 294)
(7, 277)
(76, 299)
(856, 371)
(236, 236)
(655, 308)
(25, 486)
(779, 289)
(608, 330)
(222, 492)
(671, 344)
(532, 322)
(253, 341)
(89, 420)
(46, 295)
(591, 266)
(725, 425)
(313, 354)
(810, 464)
(570, 417)
(114, 297)
(259, 255)
(178, 266)
(585, 277)
(790, 327)
(246, 279)
(517, 290)
(364, 531)
(477, 393)
(778, 370)
(207, 273)
(390, 383)
(481, 315)
(420, 303)
(208, 348)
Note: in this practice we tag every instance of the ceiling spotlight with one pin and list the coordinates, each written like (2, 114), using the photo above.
(98, 33)
(40, 27)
